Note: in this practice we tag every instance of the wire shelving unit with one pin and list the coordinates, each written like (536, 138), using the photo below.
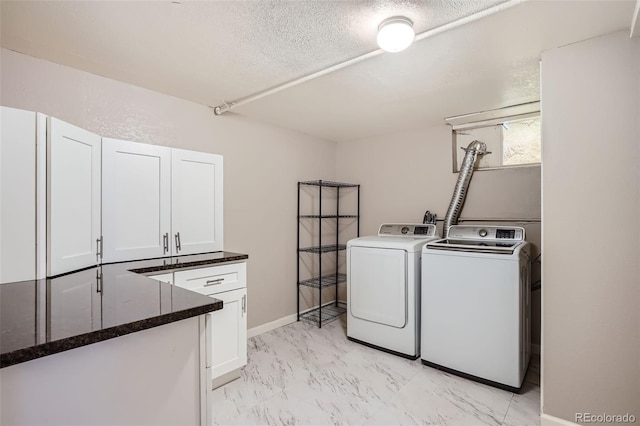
(324, 313)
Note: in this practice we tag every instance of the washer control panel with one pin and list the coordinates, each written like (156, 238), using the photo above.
(486, 232)
(413, 230)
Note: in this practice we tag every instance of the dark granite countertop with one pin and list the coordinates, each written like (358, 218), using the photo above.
(48, 316)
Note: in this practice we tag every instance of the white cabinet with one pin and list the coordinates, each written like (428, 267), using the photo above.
(22, 218)
(196, 202)
(50, 196)
(159, 201)
(229, 325)
(229, 333)
(136, 200)
(70, 200)
(73, 197)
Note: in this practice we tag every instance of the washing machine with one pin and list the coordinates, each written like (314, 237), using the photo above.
(383, 288)
(476, 304)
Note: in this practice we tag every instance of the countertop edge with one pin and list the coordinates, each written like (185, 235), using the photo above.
(190, 264)
(50, 348)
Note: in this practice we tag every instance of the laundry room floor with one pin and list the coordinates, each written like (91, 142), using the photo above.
(302, 375)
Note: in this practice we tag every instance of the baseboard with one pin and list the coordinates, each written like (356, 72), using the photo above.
(547, 420)
(535, 349)
(225, 378)
(281, 322)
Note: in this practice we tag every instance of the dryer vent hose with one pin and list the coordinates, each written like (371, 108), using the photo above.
(472, 151)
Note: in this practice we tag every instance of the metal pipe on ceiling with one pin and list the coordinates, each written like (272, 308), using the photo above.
(228, 106)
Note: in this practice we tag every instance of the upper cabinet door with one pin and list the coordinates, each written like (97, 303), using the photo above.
(136, 200)
(196, 202)
(17, 195)
(73, 197)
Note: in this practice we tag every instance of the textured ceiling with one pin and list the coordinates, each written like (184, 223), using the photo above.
(216, 51)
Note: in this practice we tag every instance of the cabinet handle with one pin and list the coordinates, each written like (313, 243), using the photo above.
(214, 282)
(178, 246)
(98, 248)
(244, 304)
(165, 241)
(98, 281)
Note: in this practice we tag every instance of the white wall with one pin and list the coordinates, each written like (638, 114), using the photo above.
(591, 230)
(262, 163)
(404, 174)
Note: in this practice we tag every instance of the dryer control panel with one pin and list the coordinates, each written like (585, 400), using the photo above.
(407, 230)
(486, 232)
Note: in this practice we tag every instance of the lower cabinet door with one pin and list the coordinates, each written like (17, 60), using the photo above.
(229, 333)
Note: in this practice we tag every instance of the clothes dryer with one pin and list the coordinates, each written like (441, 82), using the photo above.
(383, 288)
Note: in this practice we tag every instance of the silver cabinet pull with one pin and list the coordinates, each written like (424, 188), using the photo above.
(178, 246)
(244, 304)
(98, 281)
(98, 248)
(214, 282)
(165, 241)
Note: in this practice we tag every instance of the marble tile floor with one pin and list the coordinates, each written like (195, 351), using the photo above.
(302, 375)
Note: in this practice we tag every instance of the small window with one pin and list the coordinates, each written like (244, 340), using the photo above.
(521, 142)
(512, 140)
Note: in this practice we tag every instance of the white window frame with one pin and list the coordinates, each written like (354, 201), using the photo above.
(488, 119)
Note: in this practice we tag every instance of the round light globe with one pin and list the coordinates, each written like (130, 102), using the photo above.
(395, 34)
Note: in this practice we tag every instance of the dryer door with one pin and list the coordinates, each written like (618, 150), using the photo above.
(377, 285)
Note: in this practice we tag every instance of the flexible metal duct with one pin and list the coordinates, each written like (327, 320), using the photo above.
(474, 149)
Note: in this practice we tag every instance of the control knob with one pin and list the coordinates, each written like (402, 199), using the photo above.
(482, 232)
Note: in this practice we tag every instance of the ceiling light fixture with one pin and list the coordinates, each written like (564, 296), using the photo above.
(395, 34)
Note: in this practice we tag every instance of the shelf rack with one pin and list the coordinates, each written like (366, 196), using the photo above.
(324, 313)
(325, 280)
(317, 216)
(323, 249)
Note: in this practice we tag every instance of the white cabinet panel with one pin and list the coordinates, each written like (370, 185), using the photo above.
(17, 195)
(151, 377)
(213, 280)
(229, 333)
(73, 197)
(136, 200)
(196, 197)
(41, 196)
